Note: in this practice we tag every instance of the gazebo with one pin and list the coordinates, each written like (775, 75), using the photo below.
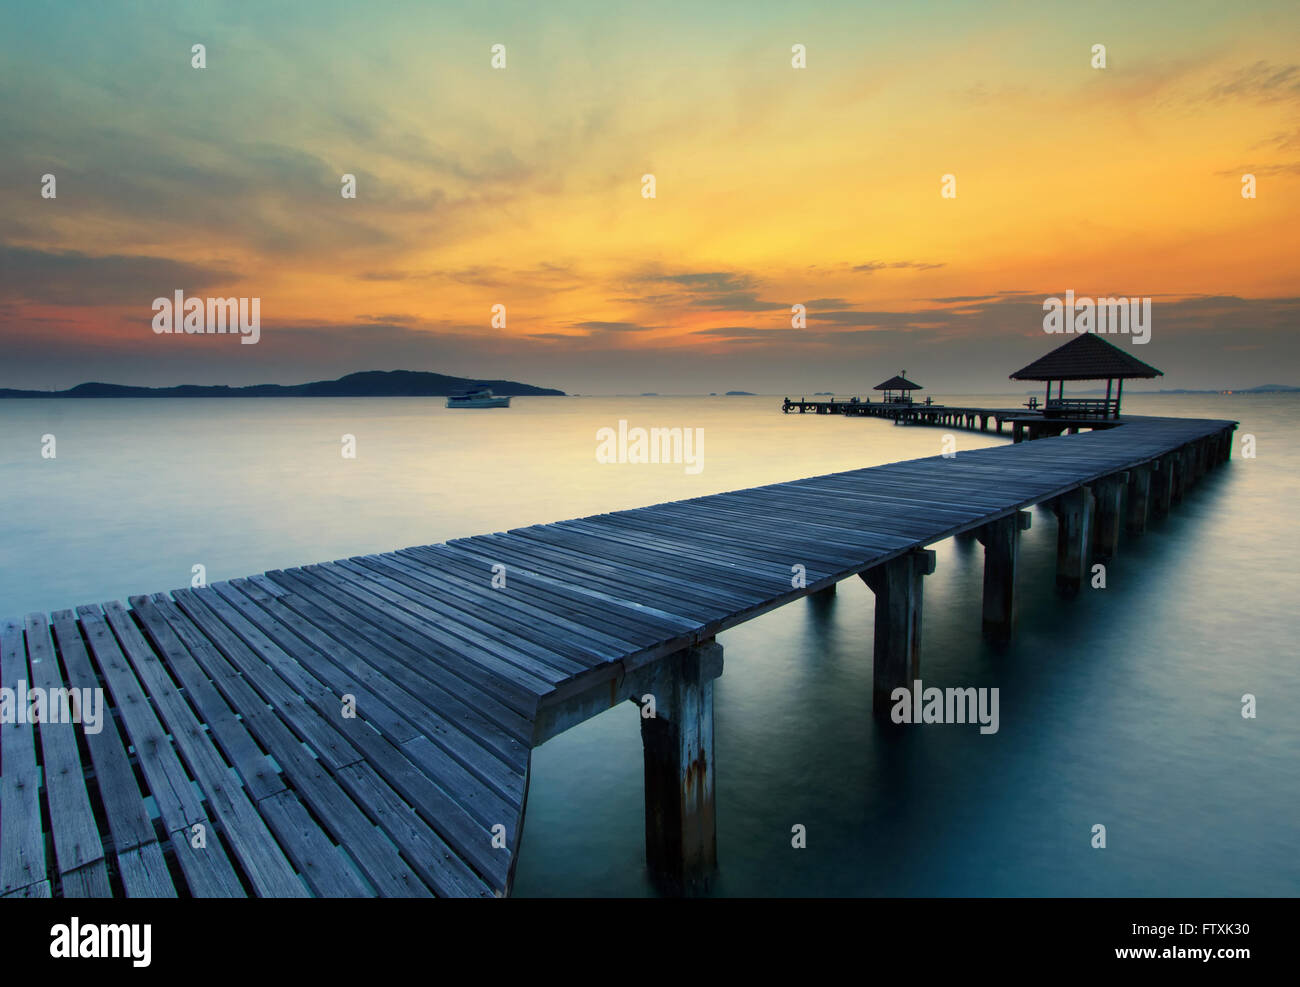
(1086, 357)
(898, 390)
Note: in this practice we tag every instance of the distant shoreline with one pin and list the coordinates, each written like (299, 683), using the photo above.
(365, 384)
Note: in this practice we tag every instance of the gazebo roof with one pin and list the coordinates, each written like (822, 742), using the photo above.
(1086, 357)
(897, 384)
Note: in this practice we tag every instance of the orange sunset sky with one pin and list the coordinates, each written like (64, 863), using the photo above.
(522, 186)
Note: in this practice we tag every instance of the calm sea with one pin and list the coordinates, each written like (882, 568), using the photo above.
(1121, 707)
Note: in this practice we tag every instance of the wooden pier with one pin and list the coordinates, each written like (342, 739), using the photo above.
(364, 727)
(1023, 423)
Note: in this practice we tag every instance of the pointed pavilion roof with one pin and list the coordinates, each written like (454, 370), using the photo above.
(1086, 357)
(898, 383)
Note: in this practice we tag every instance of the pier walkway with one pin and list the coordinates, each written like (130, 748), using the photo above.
(364, 726)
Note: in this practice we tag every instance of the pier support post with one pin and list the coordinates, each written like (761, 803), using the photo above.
(680, 835)
(897, 645)
(1139, 500)
(1074, 511)
(1001, 541)
(1162, 485)
(1180, 473)
(1107, 493)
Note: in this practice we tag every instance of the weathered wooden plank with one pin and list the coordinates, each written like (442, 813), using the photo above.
(627, 563)
(41, 889)
(90, 881)
(369, 846)
(177, 802)
(516, 688)
(115, 779)
(446, 873)
(77, 845)
(327, 743)
(313, 673)
(268, 870)
(538, 661)
(323, 866)
(208, 873)
(563, 570)
(638, 624)
(144, 872)
(715, 578)
(250, 761)
(547, 615)
(517, 627)
(478, 713)
(386, 705)
(22, 842)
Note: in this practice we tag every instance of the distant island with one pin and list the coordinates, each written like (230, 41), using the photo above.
(365, 384)
(745, 394)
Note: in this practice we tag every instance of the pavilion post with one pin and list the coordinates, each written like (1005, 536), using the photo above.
(1119, 396)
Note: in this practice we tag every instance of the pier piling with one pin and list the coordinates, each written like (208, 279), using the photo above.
(1001, 541)
(680, 828)
(1074, 515)
(1139, 500)
(1162, 485)
(1108, 493)
(897, 645)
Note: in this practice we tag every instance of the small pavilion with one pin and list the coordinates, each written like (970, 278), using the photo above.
(1086, 357)
(898, 390)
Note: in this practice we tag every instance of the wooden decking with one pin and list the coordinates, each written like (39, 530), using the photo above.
(230, 764)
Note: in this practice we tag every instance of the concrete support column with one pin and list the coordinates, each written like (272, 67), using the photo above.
(680, 833)
(1001, 541)
(1107, 493)
(1139, 500)
(897, 650)
(1074, 514)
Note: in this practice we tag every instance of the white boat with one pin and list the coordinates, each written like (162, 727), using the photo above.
(478, 397)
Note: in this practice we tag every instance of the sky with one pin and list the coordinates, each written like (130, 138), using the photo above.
(523, 187)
